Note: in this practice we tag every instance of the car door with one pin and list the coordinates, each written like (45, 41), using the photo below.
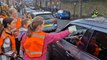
(60, 53)
(81, 48)
(61, 50)
(98, 45)
(85, 39)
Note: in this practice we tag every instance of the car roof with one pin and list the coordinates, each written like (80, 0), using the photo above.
(99, 25)
(30, 11)
(41, 12)
(60, 11)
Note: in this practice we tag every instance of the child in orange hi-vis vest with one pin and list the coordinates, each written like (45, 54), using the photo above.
(7, 40)
(14, 14)
(34, 42)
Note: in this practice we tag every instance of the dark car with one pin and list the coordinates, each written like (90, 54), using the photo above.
(50, 22)
(62, 14)
(89, 42)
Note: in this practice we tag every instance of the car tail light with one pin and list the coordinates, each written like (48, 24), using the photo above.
(54, 20)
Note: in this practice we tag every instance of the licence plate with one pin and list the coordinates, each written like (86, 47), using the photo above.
(48, 24)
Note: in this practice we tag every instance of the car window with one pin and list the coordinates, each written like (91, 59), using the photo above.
(79, 30)
(98, 45)
(46, 17)
(72, 38)
(65, 12)
(84, 41)
(73, 28)
(60, 11)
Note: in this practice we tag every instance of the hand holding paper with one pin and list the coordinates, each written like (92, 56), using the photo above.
(72, 28)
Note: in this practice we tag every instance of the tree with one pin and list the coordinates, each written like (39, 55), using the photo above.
(80, 8)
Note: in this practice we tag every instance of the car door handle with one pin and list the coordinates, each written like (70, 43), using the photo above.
(69, 53)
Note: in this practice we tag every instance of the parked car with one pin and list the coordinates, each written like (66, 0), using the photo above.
(50, 21)
(62, 14)
(33, 8)
(26, 10)
(89, 42)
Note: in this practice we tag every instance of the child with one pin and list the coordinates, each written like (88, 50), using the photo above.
(7, 40)
(35, 41)
(22, 31)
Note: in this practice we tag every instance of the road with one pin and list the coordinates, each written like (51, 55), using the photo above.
(62, 24)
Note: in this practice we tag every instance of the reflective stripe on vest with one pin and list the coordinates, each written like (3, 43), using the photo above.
(33, 52)
(6, 49)
(37, 35)
(33, 46)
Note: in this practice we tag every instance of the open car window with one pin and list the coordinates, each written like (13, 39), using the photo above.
(72, 28)
(79, 32)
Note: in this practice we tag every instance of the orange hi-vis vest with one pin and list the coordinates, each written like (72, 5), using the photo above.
(33, 46)
(5, 35)
(18, 23)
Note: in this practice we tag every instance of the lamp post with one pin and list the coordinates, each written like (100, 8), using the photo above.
(74, 3)
(80, 8)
